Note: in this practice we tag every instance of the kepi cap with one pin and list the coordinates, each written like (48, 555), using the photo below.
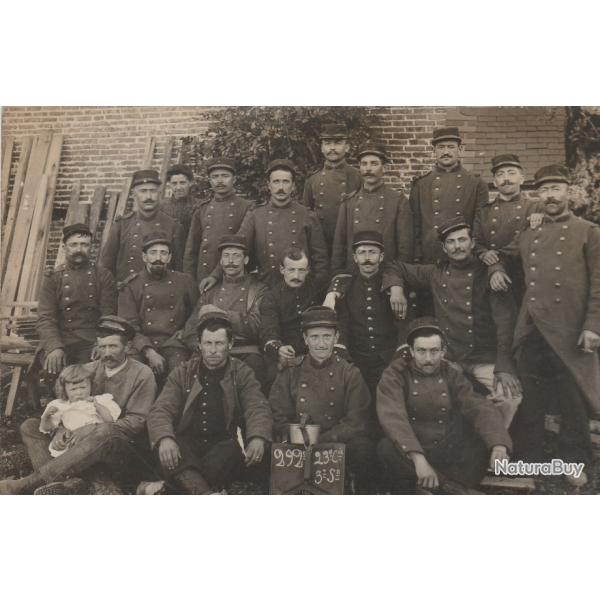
(446, 133)
(373, 238)
(334, 131)
(283, 164)
(421, 325)
(76, 228)
(233, 241)
(452, 225)
(220, 162)
(156, 237)
(374, 149)
(318, 316)
(210, 313)
(505, 160)
(114, 325)
(552, 173)
(145, 176)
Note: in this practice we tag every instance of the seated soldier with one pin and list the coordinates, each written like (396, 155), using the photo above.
(194, 424)
(326, 390)
(439, 432)
(239, 294)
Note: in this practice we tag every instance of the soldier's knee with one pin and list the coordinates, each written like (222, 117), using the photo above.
(30, 428)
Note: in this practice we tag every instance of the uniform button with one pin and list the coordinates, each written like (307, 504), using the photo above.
(557, 268)
(415, 393)
(532, 283)
(557, 300)
(557, 284)
(149, 323)
(330, 418)
(533, 254)
(302, 399)
(303, 385)
(68, 308)
(330, 373)
(532, 268)
(493, 232)
(532, 298)
(562, 238)
(559, 253)
(457, 200)
(332, 404)
(69, 320)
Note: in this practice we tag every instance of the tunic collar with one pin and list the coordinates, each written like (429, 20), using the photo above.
(372, 191)
(339, 165)
(316, 365)
(457, 167)
(564, 217)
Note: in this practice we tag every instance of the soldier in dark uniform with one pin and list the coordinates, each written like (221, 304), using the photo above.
(215, 217)
(239, 295)
(157, 303)
(558, 329)
(182, 203)
(193, 425)
(324, 190)
(328, 391)
(122, 253)
(72, 299)
(271, 228)
(374, 207)
(502, 217)
(445, 192)
(439, 432)
(477, 322)
(368, 327)
(281, 309)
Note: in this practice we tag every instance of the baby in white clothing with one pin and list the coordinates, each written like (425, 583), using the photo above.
(75, 407)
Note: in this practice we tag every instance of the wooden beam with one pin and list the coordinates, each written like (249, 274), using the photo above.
(110, 216)
(96, 208)
(148, 152)
(164, 168)
(123, 198)
(14, 388)
(20, 360)
(521, 484)
(7, 152)
(15, 199)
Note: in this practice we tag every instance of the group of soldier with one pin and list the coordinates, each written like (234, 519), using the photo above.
(418, 331)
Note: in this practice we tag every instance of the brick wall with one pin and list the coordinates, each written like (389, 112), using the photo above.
(104, 144)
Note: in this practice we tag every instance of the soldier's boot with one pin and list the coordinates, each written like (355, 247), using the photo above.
(25, 485)
(191, 482)
(73, 486)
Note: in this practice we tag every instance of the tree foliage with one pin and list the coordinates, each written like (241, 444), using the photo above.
(254, 136)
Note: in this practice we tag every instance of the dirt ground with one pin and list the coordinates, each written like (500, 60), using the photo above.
(15, 463)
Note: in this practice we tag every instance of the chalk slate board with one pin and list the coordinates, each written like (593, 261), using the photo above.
(323, 473)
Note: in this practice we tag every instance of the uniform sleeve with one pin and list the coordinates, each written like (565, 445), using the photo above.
(190, 337)
(178, 248)
(270, 329)
(404, 275)
(108, 293)
(192, 245)
(246, 324)
(504, 314)
(307, 197)
(191, 294)
(282, 403)
(358, 401)
(343, 314)
(141, 398)
(480, 246)
(340, 240)
(483, 194)
(110, 251)
(391, 409)
(257, 411)
(592, 258)
(319, 257)
(47, 325)
(129, 309)
(404, 231)
(166, 411)
(414, 201)
(485, 418)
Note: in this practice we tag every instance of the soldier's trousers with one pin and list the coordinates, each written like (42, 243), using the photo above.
(114, 449)
(464, 463)
(539, 363)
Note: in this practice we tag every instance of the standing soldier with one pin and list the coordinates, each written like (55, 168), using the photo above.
(501, 218)
(558, 329)
(326, 390)
(374, 207)
(445, 192)
(182, 203)
(122, 253)
(215, 217)
(324, 190)
(72, 299)
(271, 228)
(157, 303)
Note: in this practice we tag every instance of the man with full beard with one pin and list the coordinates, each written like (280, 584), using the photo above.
(157, 303)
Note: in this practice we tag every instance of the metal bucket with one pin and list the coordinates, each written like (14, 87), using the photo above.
(296, 434)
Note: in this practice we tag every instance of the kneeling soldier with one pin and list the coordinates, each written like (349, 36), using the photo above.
(425, 408)
(326, 390)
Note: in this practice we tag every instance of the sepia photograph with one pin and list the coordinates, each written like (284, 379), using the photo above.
(314, 300)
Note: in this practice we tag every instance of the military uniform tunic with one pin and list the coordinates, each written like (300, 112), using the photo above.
(270, 230)
(332, 394)
(478, 323)
(157, 307)
(420, 412)
(438, 197)
(122, 253)
(214, 218)
(323, 193)
(71, 302)
(561, 260)
(383, 210)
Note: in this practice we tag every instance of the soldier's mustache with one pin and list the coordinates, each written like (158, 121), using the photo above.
(369, 262)
(157, 263)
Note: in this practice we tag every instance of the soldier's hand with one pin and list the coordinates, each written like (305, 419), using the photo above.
(55, 361)
(535, 220)
(206, 283)
(330, 300)
(155, 361)
(81, 433)
(286, 352)
(500, 281)
(168, 453)
(497, 453)
(255, 451)
(427, 478)
(511, 386)
(588, 341)
(490, 257)
(398, 302)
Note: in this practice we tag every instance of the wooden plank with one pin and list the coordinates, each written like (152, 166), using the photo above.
(96, 208)
(124, 197)
(7, 152)
(521, 484)
(148, 152)
(14, 388)
(110, 215)
(14, 342)
(25, 216)
(164, 168)
(15, 199)
(12, 358)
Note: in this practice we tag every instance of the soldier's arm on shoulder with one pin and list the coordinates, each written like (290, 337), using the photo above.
(319, 256)
(308, 199)
(592, 257)
(108, 292)
(192, 244)
(178, 247)
(391, 408)
(340, 239)
(191, 293)
(407, 275)
(405, 238)
(270, 328)
(483, 193)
